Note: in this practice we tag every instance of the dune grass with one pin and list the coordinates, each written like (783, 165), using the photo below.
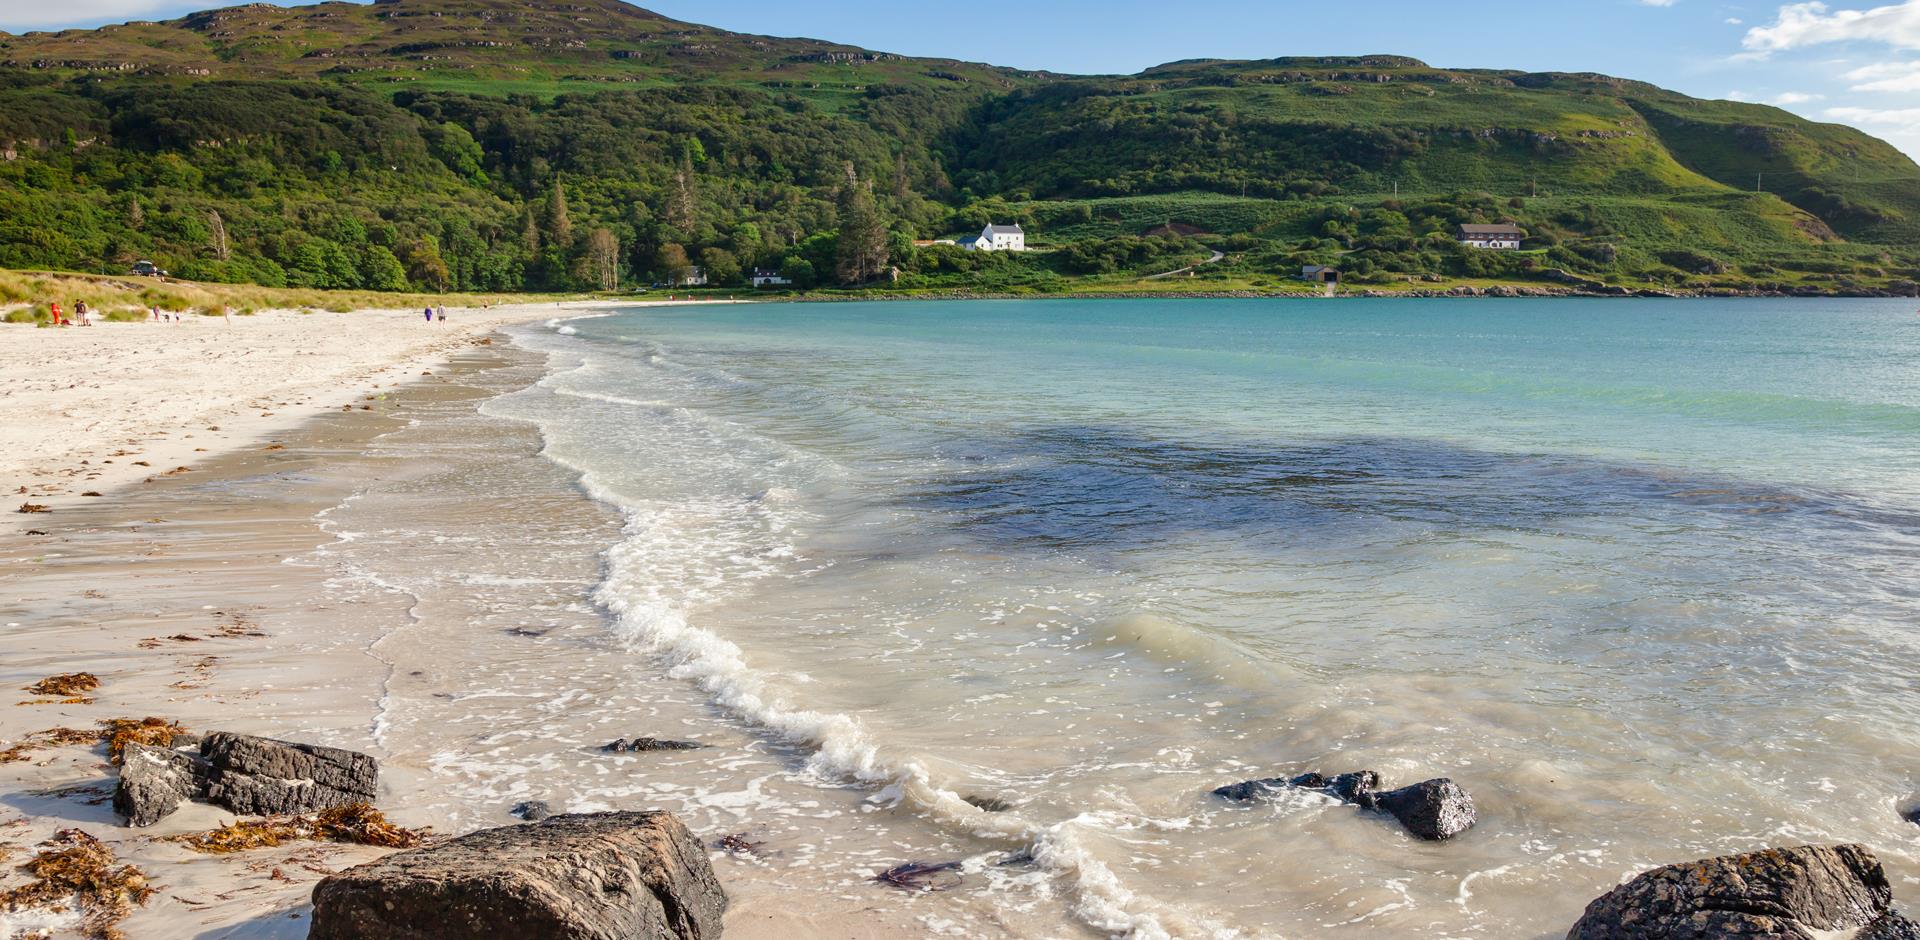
(128, 298)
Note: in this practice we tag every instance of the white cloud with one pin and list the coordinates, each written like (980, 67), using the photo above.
(1894, 117)
(1735, 21)
(1739, 96)
(1809, 24)
(1886, 76)
(1796, 97)
(1897, 126)
(17, 15)
(1659, 3)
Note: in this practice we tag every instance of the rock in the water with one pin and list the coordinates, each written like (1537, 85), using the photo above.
(1355, 787)
(652, 744)
(1891, 926)
(264, 777)
(597, 876)
(1778, 894)
(1433, 809)
(154, 781)
(1252, 789)
(532, 810)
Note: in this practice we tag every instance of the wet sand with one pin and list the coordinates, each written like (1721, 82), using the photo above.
(410, 579)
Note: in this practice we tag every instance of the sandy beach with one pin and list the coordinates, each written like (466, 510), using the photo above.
(90, 409)
(249, 594)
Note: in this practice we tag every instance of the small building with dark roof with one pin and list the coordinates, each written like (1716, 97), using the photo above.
(1504, 236)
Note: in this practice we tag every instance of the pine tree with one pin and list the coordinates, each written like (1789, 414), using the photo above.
(530, 233)
(863, 233)
(902, 183)
(559, 223)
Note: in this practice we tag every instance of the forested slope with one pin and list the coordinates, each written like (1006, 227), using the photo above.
(560, 144)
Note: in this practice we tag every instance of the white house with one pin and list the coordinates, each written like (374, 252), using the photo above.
(998, 238)
(694, 277)
(767, 277)
(1502, 237)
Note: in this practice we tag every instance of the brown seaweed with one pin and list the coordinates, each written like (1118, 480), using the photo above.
(76, 868)
(922, 876)
(72, 683)
(738, 844)
(153, 732)
(356, 823)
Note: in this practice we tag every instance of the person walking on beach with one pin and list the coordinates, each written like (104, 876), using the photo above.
(441, 313)
(429, 313)
(80, 313)
(55, 309)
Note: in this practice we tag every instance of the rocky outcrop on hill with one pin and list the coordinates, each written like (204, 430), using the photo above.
(597, 876)
(1804, 893)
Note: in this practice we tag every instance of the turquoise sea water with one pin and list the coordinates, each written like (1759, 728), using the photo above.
(1644, 576)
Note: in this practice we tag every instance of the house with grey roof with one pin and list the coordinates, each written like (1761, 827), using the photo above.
(998, 238)
(1505, 236)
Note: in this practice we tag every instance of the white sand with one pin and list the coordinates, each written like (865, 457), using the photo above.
(95, 408)
(146, 603)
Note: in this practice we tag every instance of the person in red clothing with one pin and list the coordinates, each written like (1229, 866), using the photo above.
(55, 307)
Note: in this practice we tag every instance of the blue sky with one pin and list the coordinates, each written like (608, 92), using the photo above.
(1842, 60)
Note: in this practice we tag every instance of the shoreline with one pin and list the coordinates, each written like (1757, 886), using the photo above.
(255, 595)
(107, 407)
(1464, 292)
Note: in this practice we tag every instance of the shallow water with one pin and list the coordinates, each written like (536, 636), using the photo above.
(1639, 575)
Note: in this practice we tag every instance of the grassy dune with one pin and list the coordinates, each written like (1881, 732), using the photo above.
(25, 295)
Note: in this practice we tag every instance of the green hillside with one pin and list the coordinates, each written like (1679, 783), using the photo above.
(565, 144)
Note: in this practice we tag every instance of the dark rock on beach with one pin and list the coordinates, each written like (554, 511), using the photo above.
(1433, 809)
(1799, 893)
(624, 745)
(154, 781)
(248, 775)
(531, 810)
(597, 876)
(264, 777)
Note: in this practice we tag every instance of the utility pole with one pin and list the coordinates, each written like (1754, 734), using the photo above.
(1533, 188)
(1757, 186)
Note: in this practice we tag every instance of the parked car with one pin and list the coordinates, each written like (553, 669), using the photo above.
(147, 269)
